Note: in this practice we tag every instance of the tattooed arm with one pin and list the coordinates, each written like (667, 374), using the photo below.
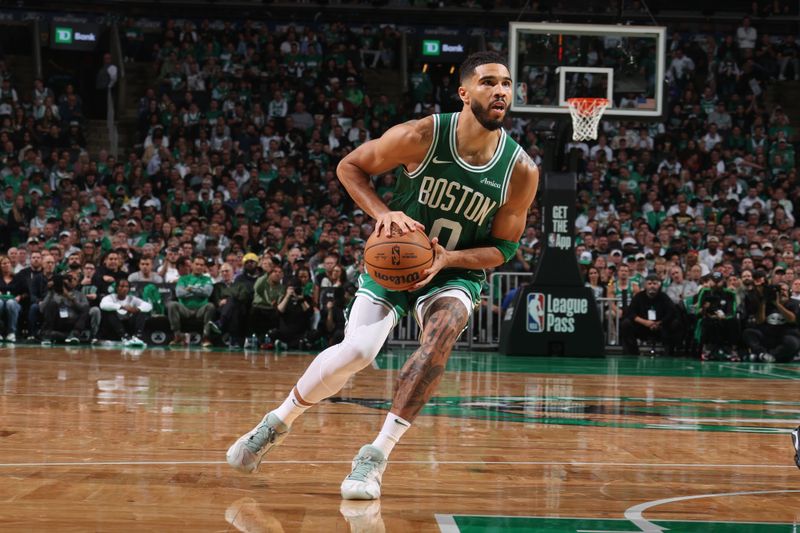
(423, 371)
(405, 144)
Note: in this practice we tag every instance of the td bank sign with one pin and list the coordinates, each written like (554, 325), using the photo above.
(438, 48)
(67, 35)
(75, 35)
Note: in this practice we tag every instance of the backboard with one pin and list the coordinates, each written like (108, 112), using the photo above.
(553, 62)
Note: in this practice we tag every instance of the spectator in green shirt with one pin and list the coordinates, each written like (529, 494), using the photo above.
(269, 291)
(192, 292)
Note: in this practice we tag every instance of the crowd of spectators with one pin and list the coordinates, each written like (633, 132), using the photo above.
(707, 198)
(230, 200)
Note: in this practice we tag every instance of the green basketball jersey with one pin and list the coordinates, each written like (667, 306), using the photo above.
(456, 201)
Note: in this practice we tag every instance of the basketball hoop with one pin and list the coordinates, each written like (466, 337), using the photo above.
(586, 113)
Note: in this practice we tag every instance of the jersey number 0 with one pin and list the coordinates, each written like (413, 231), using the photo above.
(455, 232)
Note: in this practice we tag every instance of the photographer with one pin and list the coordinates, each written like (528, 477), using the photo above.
(770, 322)
(295, 311)
(650, 315)
(718, 327)
(65, 310)
(332, 320)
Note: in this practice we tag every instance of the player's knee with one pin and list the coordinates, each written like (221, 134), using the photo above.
(359, 351)
(445, 321)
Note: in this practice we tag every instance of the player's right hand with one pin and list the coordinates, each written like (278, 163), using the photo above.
(383, 225)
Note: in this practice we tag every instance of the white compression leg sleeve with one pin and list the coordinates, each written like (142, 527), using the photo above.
(367, 328)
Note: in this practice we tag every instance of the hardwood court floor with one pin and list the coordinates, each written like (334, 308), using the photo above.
(112, 440)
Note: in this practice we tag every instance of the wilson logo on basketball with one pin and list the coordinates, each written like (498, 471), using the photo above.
(397, 279)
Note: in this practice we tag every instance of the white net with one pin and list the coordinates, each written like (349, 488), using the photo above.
(586, 113)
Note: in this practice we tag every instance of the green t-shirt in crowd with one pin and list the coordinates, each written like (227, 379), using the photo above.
(194, 291)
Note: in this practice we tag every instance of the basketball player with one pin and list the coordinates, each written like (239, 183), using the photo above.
(469, 186)
(796, 443)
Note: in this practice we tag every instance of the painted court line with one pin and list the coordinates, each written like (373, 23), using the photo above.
(760, 372)
(528, 463)
(447, 522)
(450, 517)
(127, 394)
(635, 513)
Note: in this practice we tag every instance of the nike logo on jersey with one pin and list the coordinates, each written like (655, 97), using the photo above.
(438, 161)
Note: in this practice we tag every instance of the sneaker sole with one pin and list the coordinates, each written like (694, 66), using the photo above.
(354, 490)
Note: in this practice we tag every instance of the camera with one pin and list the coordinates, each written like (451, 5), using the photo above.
(771, 292)
(298, 290)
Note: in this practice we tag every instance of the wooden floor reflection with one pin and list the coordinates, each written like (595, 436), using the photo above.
(111, 440)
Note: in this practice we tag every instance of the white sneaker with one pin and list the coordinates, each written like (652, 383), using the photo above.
(133, 341)
(245, 454)
(11, 337)
(363, 516)
(364, 482)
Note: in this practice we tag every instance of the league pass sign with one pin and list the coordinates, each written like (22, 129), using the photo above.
(550, 314)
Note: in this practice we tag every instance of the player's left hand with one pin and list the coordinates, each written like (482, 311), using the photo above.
(439, 262)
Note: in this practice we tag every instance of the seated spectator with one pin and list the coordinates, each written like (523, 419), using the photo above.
(145, 273)
(796, 290)
(232, 301)
(125, 314)
(679, 288)
(650, 315)
(718, 324)
(108, 274)
(770, 332)
(65, 310)
(269, 291)
(192, 291)
(332, 281)
(11, 290)
(38, 288)
(86, 284)
(169, 266)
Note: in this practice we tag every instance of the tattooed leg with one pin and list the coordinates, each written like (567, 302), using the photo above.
(422, 373)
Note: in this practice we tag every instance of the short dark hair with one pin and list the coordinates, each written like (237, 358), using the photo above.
(477, 59)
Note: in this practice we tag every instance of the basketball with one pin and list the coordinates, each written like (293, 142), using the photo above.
(397, 262)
